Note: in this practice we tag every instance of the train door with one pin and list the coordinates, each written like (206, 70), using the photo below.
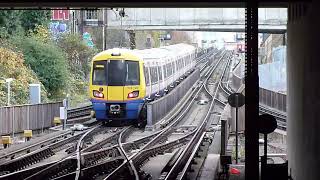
(115, 75)
(132, 88)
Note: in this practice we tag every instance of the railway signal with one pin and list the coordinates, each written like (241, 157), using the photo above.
(236, 100)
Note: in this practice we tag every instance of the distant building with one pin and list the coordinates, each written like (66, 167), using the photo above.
(86, 20)
(269, 42)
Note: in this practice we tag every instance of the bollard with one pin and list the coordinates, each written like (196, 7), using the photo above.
(93, 114)
(56, 121)
(6, 141)
(27, 134)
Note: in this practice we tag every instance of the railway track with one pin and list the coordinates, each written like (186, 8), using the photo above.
(155, 146)
(83, 113)
(88, 159)
(280, 116)
(95, 162)
(183, 164)
(79, 115)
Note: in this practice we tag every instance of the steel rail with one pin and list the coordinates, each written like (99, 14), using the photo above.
(173, 173)
(163, 132)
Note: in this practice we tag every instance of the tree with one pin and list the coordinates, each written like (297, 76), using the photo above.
(48, 61)
(78, 54)
(12, 66)
(31, 18)
(14, 22)
(180, 37)
(10, 23)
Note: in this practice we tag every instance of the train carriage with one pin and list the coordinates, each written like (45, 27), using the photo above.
(122, 80)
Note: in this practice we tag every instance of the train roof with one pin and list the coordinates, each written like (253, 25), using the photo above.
(150, 54)
(166, 51)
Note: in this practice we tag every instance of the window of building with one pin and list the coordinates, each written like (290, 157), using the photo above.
(91, 14)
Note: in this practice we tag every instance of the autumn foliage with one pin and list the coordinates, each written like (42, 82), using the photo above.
(12, 66)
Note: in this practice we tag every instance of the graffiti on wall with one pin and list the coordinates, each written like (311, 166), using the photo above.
(87, 39)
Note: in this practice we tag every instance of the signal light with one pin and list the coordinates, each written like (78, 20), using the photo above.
(234, 171)
(98, 94)
(133, 94)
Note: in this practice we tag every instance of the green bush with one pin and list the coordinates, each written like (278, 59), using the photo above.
(49, 63)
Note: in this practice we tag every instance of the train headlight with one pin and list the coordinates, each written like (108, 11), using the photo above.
(98, 94)
(133, 94)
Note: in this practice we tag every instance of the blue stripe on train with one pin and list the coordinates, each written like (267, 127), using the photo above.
(101, 107)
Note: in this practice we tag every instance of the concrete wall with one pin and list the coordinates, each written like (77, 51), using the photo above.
(159, 108)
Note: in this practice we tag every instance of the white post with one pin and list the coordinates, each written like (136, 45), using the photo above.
(9, 91)
(13, 123)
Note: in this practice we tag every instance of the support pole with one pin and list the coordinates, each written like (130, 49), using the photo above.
(103, 30)
(237, 134)
(252, 93)
(9, 93)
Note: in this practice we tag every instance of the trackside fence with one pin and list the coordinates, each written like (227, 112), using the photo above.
(273, 99)
(159, 108)
(22, 117)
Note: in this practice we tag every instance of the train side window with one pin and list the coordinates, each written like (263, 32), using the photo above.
(160, 73)
(146, 75)
(169, 69)
(164, 71)
(184, 61)
(154, 75)
(173, 66)
(177, 65)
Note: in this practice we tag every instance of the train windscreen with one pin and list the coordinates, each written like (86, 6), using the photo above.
(99, 73)
(116, 73)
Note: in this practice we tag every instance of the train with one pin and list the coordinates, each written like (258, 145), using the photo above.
(123, 80)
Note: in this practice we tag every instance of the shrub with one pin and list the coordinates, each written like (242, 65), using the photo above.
(12, 66)
(48, 61)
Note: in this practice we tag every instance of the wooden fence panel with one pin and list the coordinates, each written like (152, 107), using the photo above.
(19, 118)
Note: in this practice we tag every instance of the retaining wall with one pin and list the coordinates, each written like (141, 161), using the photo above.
(156, 110)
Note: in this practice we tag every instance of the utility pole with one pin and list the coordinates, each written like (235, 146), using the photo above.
(81, 21)
(103, 30)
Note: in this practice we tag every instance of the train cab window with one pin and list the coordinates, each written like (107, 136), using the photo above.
(99, 73)
(116, 73)
(123, 72)
(132, 75)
